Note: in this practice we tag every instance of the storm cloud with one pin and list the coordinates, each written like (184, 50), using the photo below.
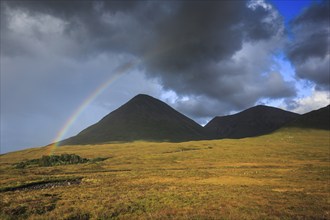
(309, 48)
(194, 48)
(213, 57)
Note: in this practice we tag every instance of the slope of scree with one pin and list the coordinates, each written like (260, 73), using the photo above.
(255, 121)
(317, 119)
(141, 118)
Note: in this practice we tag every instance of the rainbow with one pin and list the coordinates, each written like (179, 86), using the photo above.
(118, 72)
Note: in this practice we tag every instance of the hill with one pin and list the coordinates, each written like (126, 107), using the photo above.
(255, 121)
(317, 119)
(141, 118)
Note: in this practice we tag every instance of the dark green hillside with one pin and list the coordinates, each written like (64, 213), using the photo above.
(149, 119)
(142, 118)
(255, 121)
(317, 119)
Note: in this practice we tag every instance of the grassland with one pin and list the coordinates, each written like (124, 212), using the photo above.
(284, 175)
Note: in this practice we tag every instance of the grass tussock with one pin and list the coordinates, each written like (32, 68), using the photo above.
(55, 160)
(284, 175)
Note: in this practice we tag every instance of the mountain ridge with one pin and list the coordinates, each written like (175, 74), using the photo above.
(146, 118)
(254, 121)
(316, 119)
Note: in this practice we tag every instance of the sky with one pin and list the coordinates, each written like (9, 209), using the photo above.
(66, 64)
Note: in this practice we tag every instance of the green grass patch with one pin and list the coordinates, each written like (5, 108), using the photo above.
(55, 160)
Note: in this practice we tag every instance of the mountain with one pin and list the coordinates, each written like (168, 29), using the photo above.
(255, 121)
(141, 118)
(317, 119)
(149, 119)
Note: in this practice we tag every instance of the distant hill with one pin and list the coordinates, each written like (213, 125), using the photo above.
(255, 121)
(141, 118)
(149, 119)
(317, 119)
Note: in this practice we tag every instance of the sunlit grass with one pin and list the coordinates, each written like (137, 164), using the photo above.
(284, 175)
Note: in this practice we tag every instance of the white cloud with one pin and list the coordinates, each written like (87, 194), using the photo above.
(316, 100)
(25, 24)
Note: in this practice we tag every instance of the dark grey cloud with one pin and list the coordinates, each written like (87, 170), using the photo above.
(309, 48)
(55, 53)
(199, 33)
(202, 42)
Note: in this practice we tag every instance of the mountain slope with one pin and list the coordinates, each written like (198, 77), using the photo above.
(255, 121)
(141, 118)
(317, 119)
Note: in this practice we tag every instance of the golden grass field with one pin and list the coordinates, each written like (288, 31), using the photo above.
(284, 175)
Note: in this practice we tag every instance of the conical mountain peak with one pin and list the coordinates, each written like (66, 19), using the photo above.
(141, 118)
(143, 98)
